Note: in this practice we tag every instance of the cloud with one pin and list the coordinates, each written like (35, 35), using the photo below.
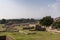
(58, 1)
(55, 9)
(51, 9)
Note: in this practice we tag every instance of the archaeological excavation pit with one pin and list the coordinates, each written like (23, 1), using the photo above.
(5, 38)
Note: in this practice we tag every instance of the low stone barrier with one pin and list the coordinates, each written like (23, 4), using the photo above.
(5, 38)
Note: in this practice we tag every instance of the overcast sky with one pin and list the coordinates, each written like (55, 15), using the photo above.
(29, 8)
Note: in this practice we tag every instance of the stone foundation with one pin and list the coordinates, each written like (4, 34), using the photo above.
(5, 38)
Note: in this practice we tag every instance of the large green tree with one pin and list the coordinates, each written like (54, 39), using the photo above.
(46, 21)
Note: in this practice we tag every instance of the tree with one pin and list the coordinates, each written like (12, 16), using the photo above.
(3, 21)
(46, 21)
(56, 25)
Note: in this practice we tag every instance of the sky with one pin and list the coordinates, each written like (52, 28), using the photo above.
(12, 9)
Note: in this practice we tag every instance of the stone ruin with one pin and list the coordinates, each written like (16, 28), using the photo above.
(5, 38)
(40, 28)
(10, 27)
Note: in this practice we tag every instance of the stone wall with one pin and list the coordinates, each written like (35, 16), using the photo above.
(5, 38)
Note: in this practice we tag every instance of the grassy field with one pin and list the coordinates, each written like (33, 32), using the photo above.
(38, 36)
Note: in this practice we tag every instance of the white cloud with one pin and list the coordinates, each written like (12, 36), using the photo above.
(55, 9)
(58, 1)
(52, 10)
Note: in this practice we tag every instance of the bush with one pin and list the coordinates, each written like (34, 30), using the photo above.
(56, 25)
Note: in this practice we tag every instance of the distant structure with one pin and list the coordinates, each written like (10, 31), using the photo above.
(10, 27)
(57, 19)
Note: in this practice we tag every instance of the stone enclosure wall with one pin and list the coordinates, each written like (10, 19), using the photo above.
(5, 38)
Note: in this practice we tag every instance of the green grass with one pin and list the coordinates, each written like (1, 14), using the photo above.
(38, 36)
(1, 29)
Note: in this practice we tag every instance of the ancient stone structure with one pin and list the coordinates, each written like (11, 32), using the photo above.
(5, 38)
(39, 28)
